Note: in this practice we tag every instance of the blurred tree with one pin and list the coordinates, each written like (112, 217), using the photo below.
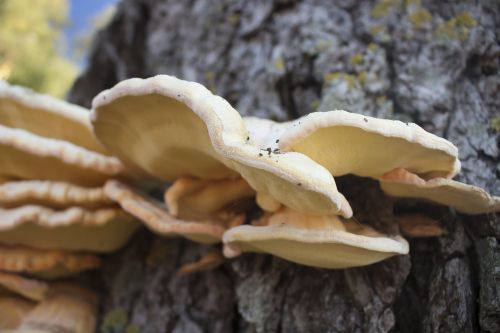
(31, 43)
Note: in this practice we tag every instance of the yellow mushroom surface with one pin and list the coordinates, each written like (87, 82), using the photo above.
(464, 198)
(24, 155)
(30, 288)
(172, 128)
(196, 199)
(46, 264)
(319, 241)
(67, 308)
(13, 310)
(160, 221)
(73, 228)
(350, 143)
(46, 116)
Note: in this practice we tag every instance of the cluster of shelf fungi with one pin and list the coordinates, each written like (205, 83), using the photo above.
(74, 184)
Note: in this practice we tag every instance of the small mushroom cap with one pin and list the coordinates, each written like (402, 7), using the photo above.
(67, 308)
(74, 228)
(157, 218)
(30, 288)
(464, 198)
(349, 143)
(196, 199)
(28, 156)
(46, 116)
(45, 263)
(314, 241)
(184, 130)
(13, 310)
(51, 194)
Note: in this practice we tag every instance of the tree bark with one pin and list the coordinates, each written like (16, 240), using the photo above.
(433, 63)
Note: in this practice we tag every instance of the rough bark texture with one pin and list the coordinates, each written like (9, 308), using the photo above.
(434, 63)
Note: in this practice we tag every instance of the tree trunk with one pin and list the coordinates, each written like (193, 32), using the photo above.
(433, 63)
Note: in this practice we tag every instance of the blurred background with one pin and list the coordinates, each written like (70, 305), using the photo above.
(43, 43)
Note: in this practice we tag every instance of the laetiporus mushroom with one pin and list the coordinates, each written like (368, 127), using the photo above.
(464, 198)
(186, 134)
(159, 220)
(46, 264)
(185, 130)
(46, 116)
(408, 161)
(51, 167)
(197, 199)
(24, 155)
(326, 241)
(12, 311)
(74, 228)
(66, 308)
(28, 287)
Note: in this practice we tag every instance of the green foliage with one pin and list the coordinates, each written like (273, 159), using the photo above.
(30, 42)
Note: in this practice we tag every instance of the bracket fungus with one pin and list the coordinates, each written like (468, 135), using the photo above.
(25, 109)
(349, 143)
(45, 263)
(158, 219)
(73, 228)
(51, 167)
(183, 130)
(30, 288)
(320, 241)
(67, 308)
(408, 161)
(24, 155)
(196, 199)
(187, 135)
(12, 311)
(464, 198)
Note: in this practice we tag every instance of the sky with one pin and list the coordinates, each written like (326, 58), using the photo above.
(81, 14)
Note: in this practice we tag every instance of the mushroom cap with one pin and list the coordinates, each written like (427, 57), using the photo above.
(67, 308)
(349, 143)
(74, 228)
(28, 156)
(157, 218)
(30, 288)
(12, 311)
(196, 199)
(464, 198)
(51, 194)
(185, 130)
(46, 116)
(45, 263)
(318, 246)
